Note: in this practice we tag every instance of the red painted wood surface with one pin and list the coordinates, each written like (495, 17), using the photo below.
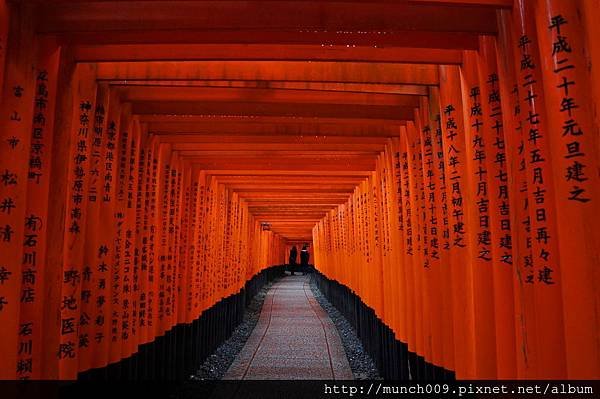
(439, 157)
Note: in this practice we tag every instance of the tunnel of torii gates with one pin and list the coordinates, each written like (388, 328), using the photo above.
(441, 157)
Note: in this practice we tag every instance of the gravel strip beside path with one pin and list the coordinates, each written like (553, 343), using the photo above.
(215, 366)
(361, 363)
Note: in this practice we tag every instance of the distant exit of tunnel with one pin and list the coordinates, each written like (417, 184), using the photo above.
(438, 158)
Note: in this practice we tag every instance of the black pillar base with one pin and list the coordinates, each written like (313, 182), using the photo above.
(391, 356)
(177, 354)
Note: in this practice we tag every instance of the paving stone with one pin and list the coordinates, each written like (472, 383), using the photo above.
(294, 339)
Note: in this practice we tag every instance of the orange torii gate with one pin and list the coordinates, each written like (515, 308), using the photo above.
(511, 173)
(440, 156)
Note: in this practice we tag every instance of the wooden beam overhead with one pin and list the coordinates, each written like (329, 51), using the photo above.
(284, 172)
(296, 188)
(299, 154)
(343, 18)
(346, 72)
(317, 197)
(291, 209)
(277, 120)
(272, 196)
(482, 3)
(324, 40)
(347, 163)
(285, 130)
(142, 93)
(208, 108)
(264, 204)
(299, 150)
(208, 140)
(282, 179)
(385, 88)
(299, 189)
(445, 51)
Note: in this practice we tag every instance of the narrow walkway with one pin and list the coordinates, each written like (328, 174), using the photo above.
(294, 339)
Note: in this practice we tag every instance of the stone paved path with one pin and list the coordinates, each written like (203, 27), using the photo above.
(294, 339)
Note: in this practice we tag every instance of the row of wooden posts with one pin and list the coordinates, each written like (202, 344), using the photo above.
(108, 238)
(476, 239)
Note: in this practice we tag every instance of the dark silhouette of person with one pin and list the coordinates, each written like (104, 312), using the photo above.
(304, 257)
(292, 260)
